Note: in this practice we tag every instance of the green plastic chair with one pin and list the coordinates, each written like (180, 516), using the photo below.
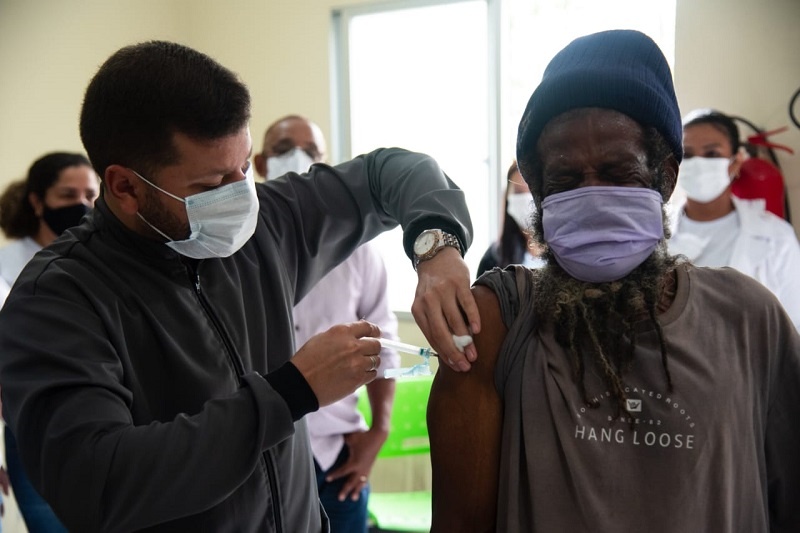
(408, 435)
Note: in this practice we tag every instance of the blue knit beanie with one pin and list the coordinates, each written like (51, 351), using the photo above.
(623, 70)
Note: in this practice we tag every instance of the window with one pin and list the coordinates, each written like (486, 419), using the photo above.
(419, 78)
(451, 79)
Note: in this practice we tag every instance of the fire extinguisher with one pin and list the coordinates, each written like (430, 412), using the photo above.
(758, 178)
(762, 178)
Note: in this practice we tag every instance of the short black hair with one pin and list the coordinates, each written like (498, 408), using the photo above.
(144, 93)
(717, 120)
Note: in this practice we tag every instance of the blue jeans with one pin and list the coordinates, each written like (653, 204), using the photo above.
(347, 516)
(38, 516)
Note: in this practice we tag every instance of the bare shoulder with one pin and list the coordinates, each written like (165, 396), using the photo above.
(487, 344)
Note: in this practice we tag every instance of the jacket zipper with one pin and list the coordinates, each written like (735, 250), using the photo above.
(239, 367)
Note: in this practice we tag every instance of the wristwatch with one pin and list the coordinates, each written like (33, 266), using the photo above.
(430, 241)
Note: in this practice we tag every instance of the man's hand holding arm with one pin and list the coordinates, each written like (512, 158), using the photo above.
(400, 187)
(444, 306)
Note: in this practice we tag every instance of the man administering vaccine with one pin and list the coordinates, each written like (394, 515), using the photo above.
(148, 364)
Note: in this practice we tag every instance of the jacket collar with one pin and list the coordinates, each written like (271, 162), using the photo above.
(106, 222)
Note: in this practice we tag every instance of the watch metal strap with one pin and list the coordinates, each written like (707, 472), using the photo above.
(446, 239)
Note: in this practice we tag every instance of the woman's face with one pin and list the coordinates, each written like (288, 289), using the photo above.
(706, 140)
(75, 185)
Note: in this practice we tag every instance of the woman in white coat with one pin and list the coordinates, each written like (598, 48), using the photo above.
(714, 228)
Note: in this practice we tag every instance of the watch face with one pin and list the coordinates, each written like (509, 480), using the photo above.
(424, 242)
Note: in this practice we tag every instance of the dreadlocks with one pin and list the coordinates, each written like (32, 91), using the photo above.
(596, 321)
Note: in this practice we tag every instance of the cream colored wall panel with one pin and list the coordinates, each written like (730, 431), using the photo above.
(49, 49)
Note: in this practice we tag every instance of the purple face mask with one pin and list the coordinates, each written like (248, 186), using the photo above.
(601, 234)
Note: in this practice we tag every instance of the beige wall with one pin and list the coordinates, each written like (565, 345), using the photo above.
(737, 55)
(48, 51)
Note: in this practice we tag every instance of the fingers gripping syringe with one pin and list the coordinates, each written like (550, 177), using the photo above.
(421, 369)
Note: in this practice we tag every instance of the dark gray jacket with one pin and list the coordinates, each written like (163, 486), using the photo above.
(132, 376)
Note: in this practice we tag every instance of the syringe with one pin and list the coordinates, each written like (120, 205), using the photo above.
(422, 369)
(406, 348)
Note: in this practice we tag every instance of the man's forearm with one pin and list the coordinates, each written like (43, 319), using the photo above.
(381, 398)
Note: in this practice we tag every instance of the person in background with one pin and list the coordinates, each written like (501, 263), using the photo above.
(148, 367)
(60, 189)
(290, 143)
(619, 388)
(515, 245)
(344, 447)
(712, 227)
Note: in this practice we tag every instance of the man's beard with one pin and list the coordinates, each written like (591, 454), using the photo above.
(161, 217)
(594, 322)
(613, 304)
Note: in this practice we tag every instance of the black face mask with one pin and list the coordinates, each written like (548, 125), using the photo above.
(63, 218)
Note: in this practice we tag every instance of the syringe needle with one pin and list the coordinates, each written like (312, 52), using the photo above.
(404, 347)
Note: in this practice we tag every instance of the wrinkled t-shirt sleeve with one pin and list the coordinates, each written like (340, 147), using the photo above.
(502, 281)
(513, 287)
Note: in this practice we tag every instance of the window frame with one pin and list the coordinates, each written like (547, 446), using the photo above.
(340, 142)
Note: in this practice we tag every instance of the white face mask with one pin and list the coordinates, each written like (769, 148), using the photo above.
(704, 178)
(220, 220)
(295, 160)
(520, 206)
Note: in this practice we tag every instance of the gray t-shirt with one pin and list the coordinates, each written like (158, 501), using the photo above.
(720, 453)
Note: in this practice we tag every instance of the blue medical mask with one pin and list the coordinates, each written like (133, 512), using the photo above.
(704, 178)
(600, 234)
(220, 220)
(295, 160)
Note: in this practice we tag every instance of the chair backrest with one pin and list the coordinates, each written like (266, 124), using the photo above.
(408, 429)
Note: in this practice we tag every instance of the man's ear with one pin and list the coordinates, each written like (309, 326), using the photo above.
(121, 186)
(670, 175)
(260, 162)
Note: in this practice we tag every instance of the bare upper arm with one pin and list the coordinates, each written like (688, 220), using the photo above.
(464, 423)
